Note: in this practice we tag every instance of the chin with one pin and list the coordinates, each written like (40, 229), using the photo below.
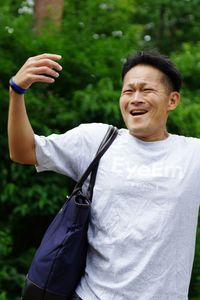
(138, 132)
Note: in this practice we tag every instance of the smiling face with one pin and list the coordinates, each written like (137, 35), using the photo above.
(145, 102)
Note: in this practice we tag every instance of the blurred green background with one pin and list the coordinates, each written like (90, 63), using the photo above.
(93, 37)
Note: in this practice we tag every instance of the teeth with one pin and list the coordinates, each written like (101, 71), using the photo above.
(137, 112)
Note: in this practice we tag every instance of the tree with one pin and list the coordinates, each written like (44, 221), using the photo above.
(46, 11)
(168, 24)
(93, 38)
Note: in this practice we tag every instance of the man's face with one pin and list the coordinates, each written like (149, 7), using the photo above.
(145, 102)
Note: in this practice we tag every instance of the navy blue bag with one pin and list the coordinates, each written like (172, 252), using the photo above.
(60, 260)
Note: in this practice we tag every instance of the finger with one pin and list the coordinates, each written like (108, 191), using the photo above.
(25, 80)
(32, 63)
(46, 55)
(33, 78)
(42, 64)
(42, 78)
(44, 70)
(49, 63)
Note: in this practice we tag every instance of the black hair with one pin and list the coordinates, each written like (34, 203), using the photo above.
(158, 61)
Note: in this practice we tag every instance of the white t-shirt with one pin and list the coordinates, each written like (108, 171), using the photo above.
(144, 211)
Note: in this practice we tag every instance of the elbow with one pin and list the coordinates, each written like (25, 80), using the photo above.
(21, 159)
(23, 155)
(15, 158)
(12, 156)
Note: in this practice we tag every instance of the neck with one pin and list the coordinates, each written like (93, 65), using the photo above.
(153, 138)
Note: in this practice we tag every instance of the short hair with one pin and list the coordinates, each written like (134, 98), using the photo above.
(158, 61)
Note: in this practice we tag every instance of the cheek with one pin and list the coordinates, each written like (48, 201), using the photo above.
(160, 112)
(122, 104)
(160, 105)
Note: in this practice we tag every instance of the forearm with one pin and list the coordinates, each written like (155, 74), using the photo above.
(20, 132)
(40, 68)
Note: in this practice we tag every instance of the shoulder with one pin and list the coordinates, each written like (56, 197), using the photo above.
(91, 135)
(187, 140)
(76, 135)
(93, 129)
(189, 146)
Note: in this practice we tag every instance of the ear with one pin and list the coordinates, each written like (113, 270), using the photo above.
(173, 101)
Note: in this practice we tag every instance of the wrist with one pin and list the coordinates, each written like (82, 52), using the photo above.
(12, 93)
(17, 88)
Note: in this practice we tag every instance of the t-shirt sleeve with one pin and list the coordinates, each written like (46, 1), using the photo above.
(69, 153)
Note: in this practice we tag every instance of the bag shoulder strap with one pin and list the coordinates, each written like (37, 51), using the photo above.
(105, 144)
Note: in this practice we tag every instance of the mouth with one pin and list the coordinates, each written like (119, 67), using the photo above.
(138, 112)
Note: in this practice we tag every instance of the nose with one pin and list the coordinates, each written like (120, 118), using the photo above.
(136, 98)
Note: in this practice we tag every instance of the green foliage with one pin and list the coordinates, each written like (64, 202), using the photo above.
(188, 61)
(94, 39)
(168, 24)
(11, 280)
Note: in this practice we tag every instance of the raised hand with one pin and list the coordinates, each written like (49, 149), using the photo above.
(40, 68)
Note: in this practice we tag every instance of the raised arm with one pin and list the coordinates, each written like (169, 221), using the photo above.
(20, 132)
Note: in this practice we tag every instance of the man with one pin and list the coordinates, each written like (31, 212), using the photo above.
(146, 197)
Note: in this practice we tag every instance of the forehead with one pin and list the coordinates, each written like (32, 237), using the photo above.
(142, 74)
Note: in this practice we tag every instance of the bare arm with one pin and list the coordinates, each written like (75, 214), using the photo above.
(20, 132)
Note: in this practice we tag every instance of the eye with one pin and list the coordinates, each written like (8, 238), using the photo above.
(148, 90)
(127, 91)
